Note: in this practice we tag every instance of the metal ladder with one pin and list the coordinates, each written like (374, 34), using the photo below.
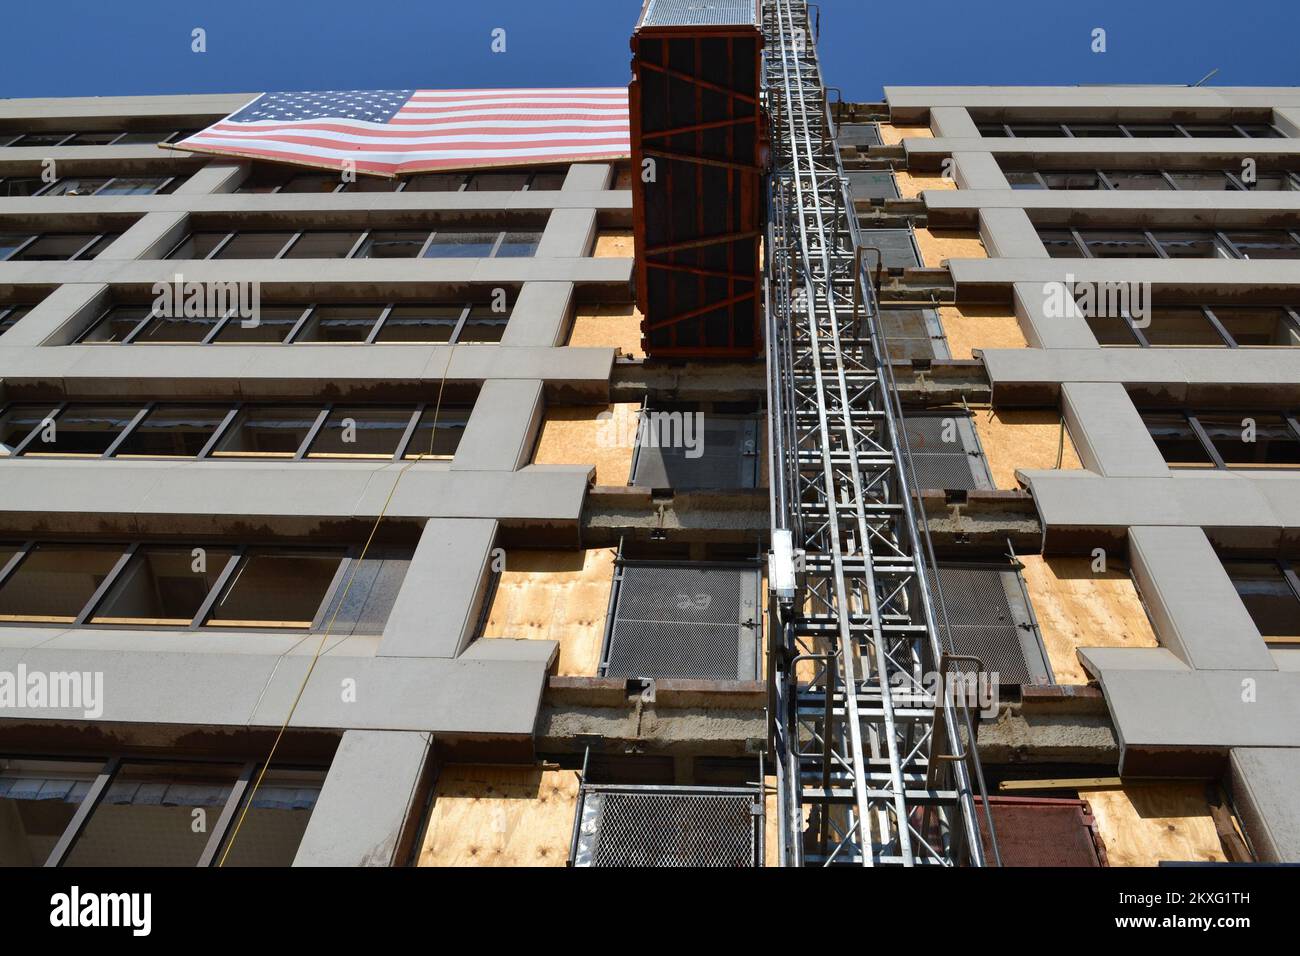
(874, 767)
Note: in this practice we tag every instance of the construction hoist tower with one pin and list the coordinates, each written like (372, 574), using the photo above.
(875, 766)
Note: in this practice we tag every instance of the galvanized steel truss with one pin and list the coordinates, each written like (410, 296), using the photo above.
(874, 767)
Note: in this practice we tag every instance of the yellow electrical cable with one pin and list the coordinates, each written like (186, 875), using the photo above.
(356, 566)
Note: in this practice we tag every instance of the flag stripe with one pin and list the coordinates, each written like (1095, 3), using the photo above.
(396, 131)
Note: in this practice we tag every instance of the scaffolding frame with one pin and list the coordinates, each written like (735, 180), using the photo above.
(875, 759)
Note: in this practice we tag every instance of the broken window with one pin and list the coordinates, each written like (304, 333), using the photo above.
(173, 431)
(393, 244)
(271, 324)
(340, 323)
(1125, 244)
(420, 323)
(460, 244)
(267, 432)
(276, 819)
(438, 432)
(9, 317)
(162, 586)
(1271, 593)
(1136, 179)
(18, 422)
(1259, 326)
(81, 431)
(179, 329)
(1060, 244)
(1245, 440)
(1274, 244)
(276, 588)
(323, 245)
(38, 799)
(83, 186)
(361, 432)
(53, 583)
(116, 325)
(1177, 440)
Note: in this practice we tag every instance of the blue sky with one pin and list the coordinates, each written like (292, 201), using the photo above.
(106, 47)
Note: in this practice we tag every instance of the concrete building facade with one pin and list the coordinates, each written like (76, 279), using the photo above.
(450, 622)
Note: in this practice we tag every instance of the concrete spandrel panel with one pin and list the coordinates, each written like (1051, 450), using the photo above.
(1263, 784)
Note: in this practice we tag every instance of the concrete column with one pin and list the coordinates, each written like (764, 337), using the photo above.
(368, 809)
(1263, 782)
(1008, 234)
(438, 606)
(216, 177)
(540, 315)
(60, 317)
(151, 237)
(569, 234)
(1044, 331)
(978, 171)
(588, 176)
(1108, 432)
(1287, 119)
(501, 430)
(1194, 609)
(952, 122)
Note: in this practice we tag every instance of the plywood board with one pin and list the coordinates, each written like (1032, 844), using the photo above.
(938, 245)
(1022, 438)
(912, 184)
(1077, 607)
(613, 325)
(614, 242)
(974, 327)
(500, 816)
(600, 435)
(1143, 824)
(558, 596)
(891, 135)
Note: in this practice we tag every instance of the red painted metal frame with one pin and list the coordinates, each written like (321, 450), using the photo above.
(694, 308)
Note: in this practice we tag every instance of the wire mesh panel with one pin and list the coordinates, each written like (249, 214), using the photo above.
(704, 452)
(990, 621)
(668, 826)
(699, 13)
(944, 452)
(686, 621)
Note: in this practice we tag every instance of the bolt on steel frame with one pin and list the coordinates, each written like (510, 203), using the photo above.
(876, 764)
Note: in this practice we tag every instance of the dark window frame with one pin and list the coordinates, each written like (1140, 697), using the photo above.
(1290, 420)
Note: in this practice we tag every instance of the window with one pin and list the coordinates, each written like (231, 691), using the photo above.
(1271, 592)
(361, 432)
(173, 431)
(141, 812)
(163, 586)
(17, 186)
(1265, 245)
(81, 431)
(438, 432)
(323, 245)
(1154, 130)
(1025, 179)
(267, 432)
(1259, 326)
(19, 421)
(1036, 130)
(1209, 180)
(340, 244)
(332, 323)
(1171, 244)
(1177, 440)
(38, 799)
(1118, 244)
(1088, 130)
(272, 325)
(420, 323)
(276, 588)
(53, 583)
(1136, 179)
(1181, 327)
(53, 246)
(1236, 439)
(76, 187)
(9, 316)
(1252, 440)
(340, 323)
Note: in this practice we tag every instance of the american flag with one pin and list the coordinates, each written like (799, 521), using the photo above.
(394, 132)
